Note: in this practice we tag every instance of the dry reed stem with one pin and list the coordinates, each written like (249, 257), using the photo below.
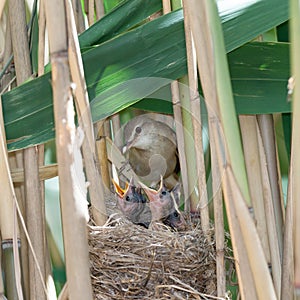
(102, 154)
(70, 168)
(248, 125)
(33, 203)
(287, 276)
(99, 9)
(218, 220)
(116, 125)
(179, 128)
(96, 188)
(295, 157)
(197, 123)
(91, 12)
(131, 262)
(270, 219)
(262, 278)
(180, 143)
(78, 15)
(45, 172)
(266, 127)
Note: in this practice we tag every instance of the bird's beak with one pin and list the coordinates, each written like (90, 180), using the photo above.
(152, 193)
(121, 192)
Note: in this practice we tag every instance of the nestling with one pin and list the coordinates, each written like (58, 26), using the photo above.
(132, 204)
(164, 206)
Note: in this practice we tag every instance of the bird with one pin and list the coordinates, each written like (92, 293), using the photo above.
(163, 205)
(132, 203)
(151, 149)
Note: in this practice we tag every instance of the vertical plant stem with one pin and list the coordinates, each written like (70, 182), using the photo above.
(91, 12)
(78, 15)
(6, 216)
(266, 126)
(99, 9)
(271, 221)
(180, 134)
(96, 189)
(287, 276)
(180, 143)
(70, 168)
(197, 124)
(248, 125)
(295, 157)
(34, 205)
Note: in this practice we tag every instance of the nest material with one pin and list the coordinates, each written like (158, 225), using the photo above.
(131, 262)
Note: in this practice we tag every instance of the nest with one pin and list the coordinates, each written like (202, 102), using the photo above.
(131, 262)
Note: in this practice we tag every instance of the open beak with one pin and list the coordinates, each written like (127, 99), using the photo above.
(152, 193)
(121, 192)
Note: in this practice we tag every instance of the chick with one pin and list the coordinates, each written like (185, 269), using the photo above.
(151, 149)
(164, 207)
(132, 204)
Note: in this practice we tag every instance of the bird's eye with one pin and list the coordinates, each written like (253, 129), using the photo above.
(164, 193)
(176, 214)
(138, 129)
(127, 198)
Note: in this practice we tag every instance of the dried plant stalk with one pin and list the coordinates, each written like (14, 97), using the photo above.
(287, 277)
(295, 157)
(96, 189)
(197, 123)
(102, 154)
(70, 169)
(248, 125)
(99, 9)
(45, 172)
(266, 126)
(271, 220)
(32, 184)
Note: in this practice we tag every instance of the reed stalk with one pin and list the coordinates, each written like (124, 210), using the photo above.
(180, 144)
(267, 131)
(45, 172)
(91, 12)
(271, 221)
(295, 157)
(102, 155)
(197, 123)
(96, 188)
(7, 218)
(78, 15)
(287, 276)
(207, 33)
(33, 202)
(248, 125)
(99, 9)
(180, 133)
(70, 169)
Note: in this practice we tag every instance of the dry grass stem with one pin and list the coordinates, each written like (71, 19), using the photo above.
(70, 168)
(96, 189)
(266, 127)
(197, 123)
(248, 125)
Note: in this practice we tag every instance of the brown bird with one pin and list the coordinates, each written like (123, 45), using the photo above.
(164, 206)
(151, 150)
(132, 204)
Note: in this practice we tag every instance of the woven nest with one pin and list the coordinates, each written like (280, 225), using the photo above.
(131, 262)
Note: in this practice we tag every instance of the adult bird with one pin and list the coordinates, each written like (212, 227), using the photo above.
(164, 206)
(132, 203)
(151, 149)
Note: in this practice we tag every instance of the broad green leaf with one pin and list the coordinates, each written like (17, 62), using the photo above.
(155, 49)
(114, 23)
